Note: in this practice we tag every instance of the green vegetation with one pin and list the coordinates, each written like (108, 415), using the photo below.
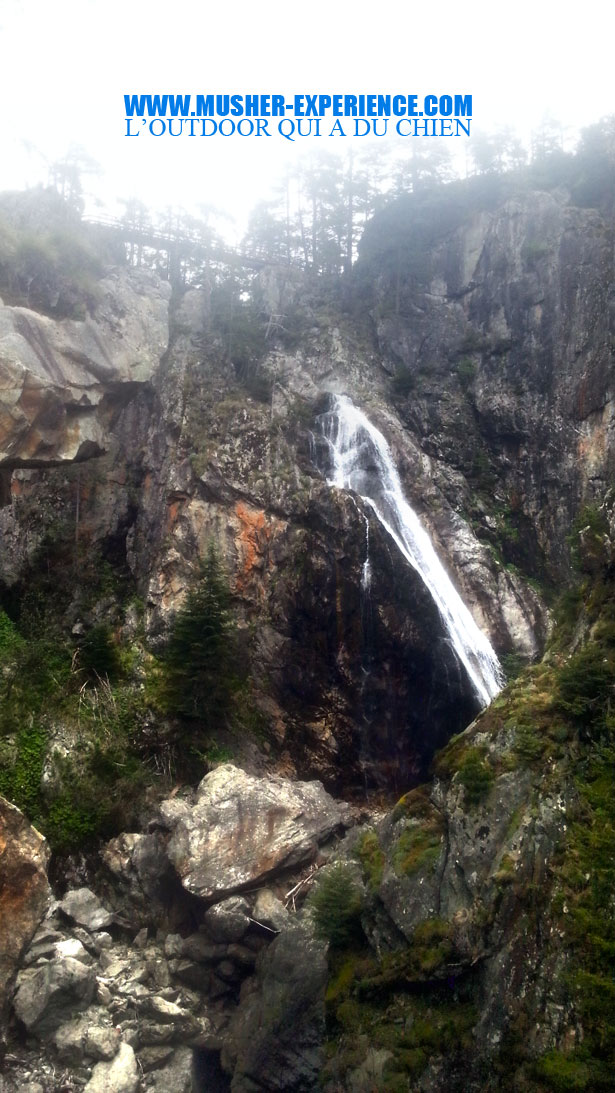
(585, 686)
(404, 381)
(584, 898)
(558, 717)
(586, 540)
(201, 656)
(481, 470)
(90, 791)
(336, 907)
(466, 372)
(90, 723)
(476, 777)
(10, 640)
(372, 859)
(561, 710)
(571, 1073)
(420, 840)
(529, 744)
(375, 1003)
(54, 271)
(21, 768)
(513, 664)
(98, 654)
(417, 846)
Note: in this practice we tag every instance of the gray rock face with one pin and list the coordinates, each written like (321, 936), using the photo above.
(229, 920)
(24, 893)
(139, 866)
(270, 911)
(56, 376)
(88, 1036)
(45, 994)
(176, 1075)
(84, 907)
(242, 830)
(505, 334)
(277, 1031)
(118, 1076)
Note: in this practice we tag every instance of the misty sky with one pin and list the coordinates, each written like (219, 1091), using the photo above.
(66, 65)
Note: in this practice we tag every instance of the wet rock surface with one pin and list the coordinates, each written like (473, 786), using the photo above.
(277, 1033)
(24, 894)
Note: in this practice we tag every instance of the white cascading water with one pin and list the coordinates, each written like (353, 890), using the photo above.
(362, 462)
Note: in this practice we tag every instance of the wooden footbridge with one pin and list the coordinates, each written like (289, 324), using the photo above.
(179, 245)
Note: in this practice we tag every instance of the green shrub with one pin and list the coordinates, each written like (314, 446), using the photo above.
(336, 906)
(416, 847)
(10, 640)
(432, 944)
(587, 876)
(528, 744)
(513, 664)
(404, 381)
(55, 272)
(586, 539)
(476, 777)
(38, 674)
(564, 1073)
(70, 825)
(481, 470)
(98, 654)
(585, 684)
(466, 372)
(20, 780)
(97, 791)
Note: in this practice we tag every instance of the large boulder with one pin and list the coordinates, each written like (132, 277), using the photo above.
(241, 830)
(24, 893)
(83, 907)
(140, 876)
(47, 993)
(121, 1075)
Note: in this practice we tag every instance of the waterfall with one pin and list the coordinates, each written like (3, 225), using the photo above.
(361, 461)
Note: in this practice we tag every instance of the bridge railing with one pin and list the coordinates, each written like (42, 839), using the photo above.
(183, 242)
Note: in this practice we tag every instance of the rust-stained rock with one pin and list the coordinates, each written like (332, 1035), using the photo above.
(24, 892)
(240, 830)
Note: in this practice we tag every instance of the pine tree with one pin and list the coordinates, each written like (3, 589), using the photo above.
(336, 906)
(201, 654)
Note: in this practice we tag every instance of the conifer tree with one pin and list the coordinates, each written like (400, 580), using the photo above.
(201, 654)
(336, 906)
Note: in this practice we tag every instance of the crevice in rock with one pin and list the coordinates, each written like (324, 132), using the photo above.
(207, 1073)
(5, 488)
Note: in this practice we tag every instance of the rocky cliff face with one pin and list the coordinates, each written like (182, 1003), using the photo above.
(63, 382)
(480, 345)
(345, 681)
(502, 325)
